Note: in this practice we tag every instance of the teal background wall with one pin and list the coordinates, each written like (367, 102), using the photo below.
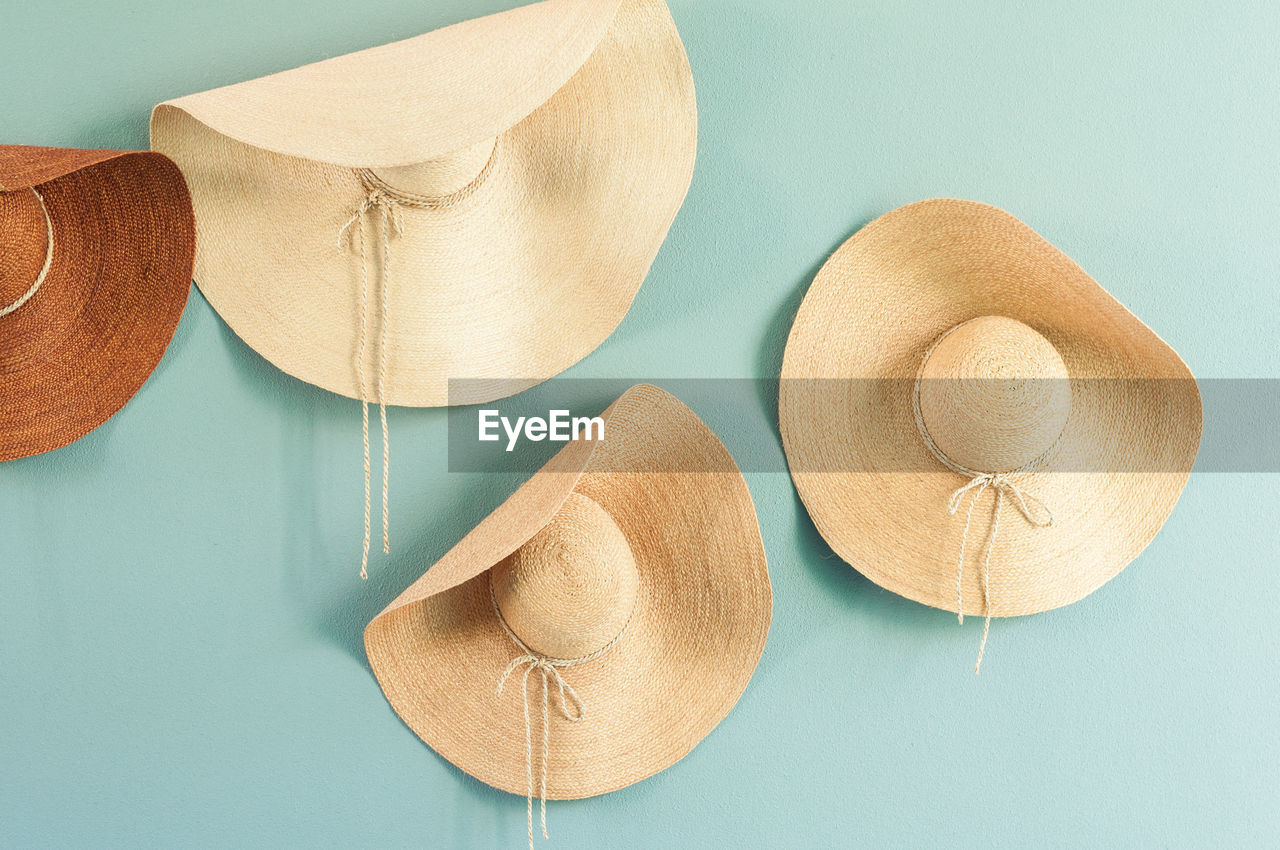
(180, 612)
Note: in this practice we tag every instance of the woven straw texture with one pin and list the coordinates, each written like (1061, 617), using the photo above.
(883, 301)
(111, 287)
(535, 159)
(692, 595)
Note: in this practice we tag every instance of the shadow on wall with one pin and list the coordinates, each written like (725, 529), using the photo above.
(329, 591)
(838, 579)
(737, 205)
(128, 130)
(774, 345)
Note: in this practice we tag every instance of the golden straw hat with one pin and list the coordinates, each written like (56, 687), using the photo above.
(973, 422)
(480, 202)
(628, 575)
(96, 248)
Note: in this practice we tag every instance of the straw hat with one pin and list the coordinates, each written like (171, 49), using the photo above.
(96, 249)
(527, 164)
(481, 202)
(630, 577)
(973, 422)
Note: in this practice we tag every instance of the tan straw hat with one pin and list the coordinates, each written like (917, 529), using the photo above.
(973, 422)
(627, 581)
(480, 202)
(96, 248)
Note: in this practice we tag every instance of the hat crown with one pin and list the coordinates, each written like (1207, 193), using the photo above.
(994, 394)
(24, 245)
(570, 590)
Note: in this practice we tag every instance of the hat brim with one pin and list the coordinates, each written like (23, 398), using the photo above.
(86, 341)
(876, 495)
(507, 288)
(695, 637)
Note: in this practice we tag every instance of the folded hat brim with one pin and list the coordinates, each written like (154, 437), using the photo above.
(865, 475)
(514, 284)
(694, 639)
(416, 99)
(124, 242)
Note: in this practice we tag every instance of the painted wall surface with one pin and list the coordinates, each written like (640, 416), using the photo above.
(180, 612)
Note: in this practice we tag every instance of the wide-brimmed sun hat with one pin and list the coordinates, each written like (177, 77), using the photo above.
(481, 202)
(96, 251)
(973, 422)
(627, 579)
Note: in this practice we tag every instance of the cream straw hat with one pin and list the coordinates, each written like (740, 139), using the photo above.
(480, 202)
(973, 422)
(627, 581)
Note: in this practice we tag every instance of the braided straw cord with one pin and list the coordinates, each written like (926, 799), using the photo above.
(1031, 508)
(550, 669)
(48, 258)
(389, 202)
(373, 183)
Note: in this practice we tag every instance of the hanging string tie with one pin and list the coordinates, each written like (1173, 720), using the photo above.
(1032, 509)
(48, 258)
(390, 219)
(570, 704)
(389, 205)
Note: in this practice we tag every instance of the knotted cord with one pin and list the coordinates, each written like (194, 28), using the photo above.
(390, 204)
(570, 703)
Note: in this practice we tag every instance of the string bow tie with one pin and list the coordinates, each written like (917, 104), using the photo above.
(1031, 508)
(570, 709)
(570, 704)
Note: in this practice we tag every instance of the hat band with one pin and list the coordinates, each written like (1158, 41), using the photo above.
(373, 183)
(48, 258)
(1032, 509)
(389, 202)
(570, 703)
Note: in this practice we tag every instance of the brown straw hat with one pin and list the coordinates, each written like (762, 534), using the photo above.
(628, 574)
(973, 422)
(96, 249)
(480, 202)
